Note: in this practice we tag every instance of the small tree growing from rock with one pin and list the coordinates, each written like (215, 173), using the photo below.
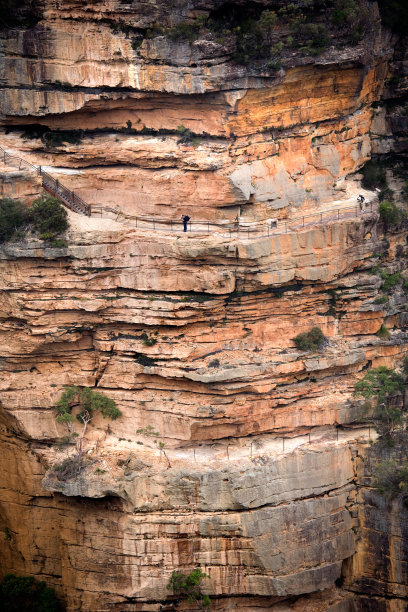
(310, 341)
(390, 213)
(88, 402)
(391, 479)
(150, 432)
(385, 388)
(188, 586)
(49, 217)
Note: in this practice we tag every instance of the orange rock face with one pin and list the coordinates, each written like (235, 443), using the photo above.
(251, 472)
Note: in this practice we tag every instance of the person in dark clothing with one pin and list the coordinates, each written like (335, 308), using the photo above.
(361, 200)
(186, 219)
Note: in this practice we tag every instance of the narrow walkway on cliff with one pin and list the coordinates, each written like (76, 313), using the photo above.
(240, 227)
(259, 448)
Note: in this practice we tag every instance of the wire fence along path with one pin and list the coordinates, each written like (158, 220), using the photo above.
(261, 449)
(53, 186)
(240, 227)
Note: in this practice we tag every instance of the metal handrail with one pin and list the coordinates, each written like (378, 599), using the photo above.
(76, 203)
(235, 227)
(68, 198)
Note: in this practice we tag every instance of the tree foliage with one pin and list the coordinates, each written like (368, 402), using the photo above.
(48, 216)
(25, 594)
(391, 479)
(386, 388)
(390, 213)
(310, 341)
(13, 217)
(189, 586)
(89, 402)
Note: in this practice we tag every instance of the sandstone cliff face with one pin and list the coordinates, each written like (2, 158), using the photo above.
(267, 142)
(193, 334)
(382, 578)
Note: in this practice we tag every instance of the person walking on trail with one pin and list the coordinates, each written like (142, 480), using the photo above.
(186, 219)
(361, 200)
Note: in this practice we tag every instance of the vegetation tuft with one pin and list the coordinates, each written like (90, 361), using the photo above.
(390, 280)
(46, 216)
(390, 213)
(86, 402)
(189, 587)
(383, 332)
(14, 218)
(25, 594)
(391, 479)
(310, 341)
(384, 388)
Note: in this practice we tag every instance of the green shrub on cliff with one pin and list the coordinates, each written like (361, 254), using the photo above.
(384, 389)
(189, 587)
(390, 213)
(310, 341)
(311, 38)
(25, 594)
(86, 402)
(48, 216)
(13, 218)
(391, 479)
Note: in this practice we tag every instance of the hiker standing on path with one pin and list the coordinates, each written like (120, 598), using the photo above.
(361, 200)
(186, 219)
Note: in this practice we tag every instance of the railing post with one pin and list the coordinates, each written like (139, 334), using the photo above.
(321, 218)
(356, 211)
(136, 221)
(303, 222)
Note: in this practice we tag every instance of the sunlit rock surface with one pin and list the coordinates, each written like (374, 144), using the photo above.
(255, 472)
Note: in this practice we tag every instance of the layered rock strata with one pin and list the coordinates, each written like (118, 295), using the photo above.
(255, 469)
